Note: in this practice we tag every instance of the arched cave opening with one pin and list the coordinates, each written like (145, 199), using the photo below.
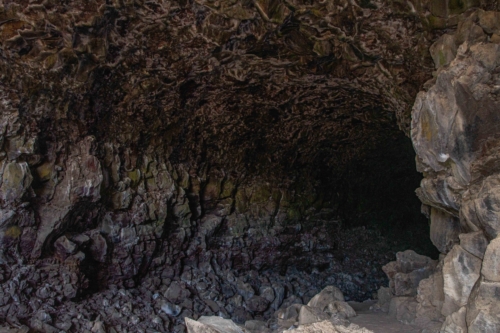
(166, 160)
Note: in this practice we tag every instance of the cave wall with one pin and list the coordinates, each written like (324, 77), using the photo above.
(455, 134)
(142, 140)
(130, 130)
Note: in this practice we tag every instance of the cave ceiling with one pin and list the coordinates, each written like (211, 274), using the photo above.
(258, 87)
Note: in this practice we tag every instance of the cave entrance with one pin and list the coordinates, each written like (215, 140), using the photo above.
(377, 191)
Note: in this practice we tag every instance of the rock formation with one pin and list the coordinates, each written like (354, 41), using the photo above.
(325, 313)
(170, 159)
(454, 134)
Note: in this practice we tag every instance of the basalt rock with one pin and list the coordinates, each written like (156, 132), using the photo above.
(190, 151)
(407, 271)
(454, 134)
(295, 318)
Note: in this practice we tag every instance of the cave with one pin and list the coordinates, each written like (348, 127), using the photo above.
(249, 166)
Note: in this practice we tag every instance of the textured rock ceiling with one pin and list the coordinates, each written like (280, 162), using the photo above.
(262, 86)
(144, 144)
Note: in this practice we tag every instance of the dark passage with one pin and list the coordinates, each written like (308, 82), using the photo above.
(378, 192)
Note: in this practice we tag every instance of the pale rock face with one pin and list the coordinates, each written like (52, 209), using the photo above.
(483, 310)
(328, 327)
(430, 298)
(295, 318)
(454, 132)
(328, 295)
(444, 50)
(308, 315)
(194, 326)
(475, 243)
(455, 323)
(460, 272)
(491, 263)
(341, 310)
(485, 204)
(407, 271)
(221, 324)
(404, 309)
(445, 229)
(384, 296)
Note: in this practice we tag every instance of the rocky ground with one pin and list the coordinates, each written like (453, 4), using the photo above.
(165, 297)
(161, 159)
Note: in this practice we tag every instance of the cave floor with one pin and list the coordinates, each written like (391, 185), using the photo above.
(378, 322)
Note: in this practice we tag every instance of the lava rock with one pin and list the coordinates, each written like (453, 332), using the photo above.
(328, 295)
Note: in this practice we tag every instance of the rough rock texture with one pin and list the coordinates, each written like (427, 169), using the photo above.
(145, 143)
(454, 132)
(189, 151)
(407, 271)
(311, 318)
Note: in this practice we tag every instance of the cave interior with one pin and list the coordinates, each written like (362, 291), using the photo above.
(172, 159)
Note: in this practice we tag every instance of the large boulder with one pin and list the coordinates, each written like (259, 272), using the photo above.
(430, 298)
(483, 308)
(328, 295)
(407, 271)
(404, 309)
(309, 315)
(474, 242)
(491, 264)
(460, 272)
(211, 324)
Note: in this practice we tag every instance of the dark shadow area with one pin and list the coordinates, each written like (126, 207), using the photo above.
(378, 192)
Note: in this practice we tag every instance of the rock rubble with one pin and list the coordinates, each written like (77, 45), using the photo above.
(326, 312)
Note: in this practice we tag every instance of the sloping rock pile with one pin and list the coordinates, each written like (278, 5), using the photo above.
(326, 312)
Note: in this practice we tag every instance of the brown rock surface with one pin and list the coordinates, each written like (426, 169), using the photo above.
(176, 152)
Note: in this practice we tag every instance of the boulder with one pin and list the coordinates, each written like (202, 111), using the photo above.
(244, 289)
(384, 296)
(171, 309)
(407, 271)
(444, 50)
(193, 326)
(460, 272)
(257, 304)
(491, 263)
(483, 308)
(256, 326)
(489, 21)
(430, 298)
(404, 309)
(177, 292)
(474, 242)
(455, 323)
(328, 295)
(288, 316)
(211, 324)
(340, 310)
(64, 247)
(98, 247)
(308, 315)
(409, 261)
